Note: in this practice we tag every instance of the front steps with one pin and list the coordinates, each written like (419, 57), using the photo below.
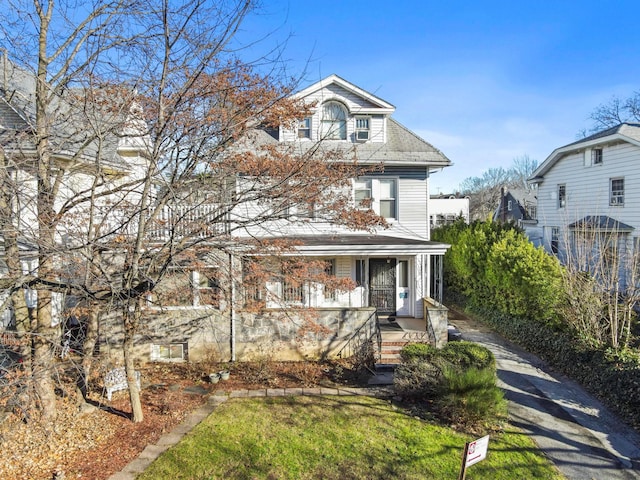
(393, 340)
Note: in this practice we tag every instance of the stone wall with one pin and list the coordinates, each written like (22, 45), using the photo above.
(276, 334)
(436, 315)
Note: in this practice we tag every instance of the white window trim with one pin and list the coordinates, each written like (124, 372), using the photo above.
(358, 130)
(616, 200)
(376, 196)
(154, 354)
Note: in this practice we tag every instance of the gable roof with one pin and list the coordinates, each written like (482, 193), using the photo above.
(624, 132)
(377, 105)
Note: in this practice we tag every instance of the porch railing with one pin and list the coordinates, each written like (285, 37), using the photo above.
(365, 343)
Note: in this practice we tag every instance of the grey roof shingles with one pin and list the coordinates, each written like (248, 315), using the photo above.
(602, 223)
(402, 147)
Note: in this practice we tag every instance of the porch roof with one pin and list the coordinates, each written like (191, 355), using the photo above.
(363, 244)
(601, 223)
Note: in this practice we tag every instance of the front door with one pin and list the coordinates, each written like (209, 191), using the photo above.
(382, 285)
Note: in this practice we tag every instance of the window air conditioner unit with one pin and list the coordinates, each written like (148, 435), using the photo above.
(362, 135)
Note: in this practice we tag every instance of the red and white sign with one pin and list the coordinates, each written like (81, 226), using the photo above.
(477, 451)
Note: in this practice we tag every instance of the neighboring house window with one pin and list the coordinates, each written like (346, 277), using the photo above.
(388, 198)
(304, 128)
(334, 121)
(555, 239)
(362, 129)
(171, 352)
(509, 205)
(596, 156)
(617, 191)
(562, 196)
(532, 211)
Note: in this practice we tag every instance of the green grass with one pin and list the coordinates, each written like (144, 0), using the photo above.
(349, 437)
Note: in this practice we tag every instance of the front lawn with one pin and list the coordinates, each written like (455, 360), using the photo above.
(345, 437)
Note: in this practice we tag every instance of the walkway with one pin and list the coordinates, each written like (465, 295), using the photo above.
(579, 434)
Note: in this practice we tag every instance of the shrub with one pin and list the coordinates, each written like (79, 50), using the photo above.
(468, 355)
(471, 396)
(460, 379)
(418, 351)
(418, 380)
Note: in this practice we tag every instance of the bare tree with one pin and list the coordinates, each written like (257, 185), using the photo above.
(600, 276)
(195, 176)
(616, 111)
(485, 191)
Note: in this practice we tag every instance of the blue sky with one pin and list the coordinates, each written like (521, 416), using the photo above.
(483, 81)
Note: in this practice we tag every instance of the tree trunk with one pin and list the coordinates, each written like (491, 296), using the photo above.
(88, 347)
(43, 357)
(131, 319)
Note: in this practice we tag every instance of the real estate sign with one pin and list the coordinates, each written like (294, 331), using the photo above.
(473, 453)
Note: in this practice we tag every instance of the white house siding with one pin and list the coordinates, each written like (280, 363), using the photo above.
(355, 105)
(588, 187)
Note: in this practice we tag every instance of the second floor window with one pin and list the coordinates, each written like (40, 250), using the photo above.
(378, 194)
(596, 156)
(363, 193)
(617, 192)
(334, 121)
(388, 198)
(562, 196)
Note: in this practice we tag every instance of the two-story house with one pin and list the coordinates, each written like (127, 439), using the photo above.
(587, 197)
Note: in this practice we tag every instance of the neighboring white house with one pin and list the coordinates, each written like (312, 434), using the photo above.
(590, 188)
(445, 209)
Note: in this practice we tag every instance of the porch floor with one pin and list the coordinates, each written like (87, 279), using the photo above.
(403, 324)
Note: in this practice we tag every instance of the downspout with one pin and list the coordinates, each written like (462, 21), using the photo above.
(232, 311)
(428, 219)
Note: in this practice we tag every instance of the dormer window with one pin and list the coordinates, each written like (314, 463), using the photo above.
(362, 129)
(334, 121)
(304, 128)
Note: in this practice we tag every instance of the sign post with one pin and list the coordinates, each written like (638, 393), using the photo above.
(473, 453)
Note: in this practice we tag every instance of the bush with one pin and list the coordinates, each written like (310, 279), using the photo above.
(418, 351)
(418, 380)
(471, 396)
(460, 379)
(466, 355)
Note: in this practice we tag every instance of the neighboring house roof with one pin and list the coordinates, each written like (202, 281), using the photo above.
(601, 223)
(624, 132)
(522, 198)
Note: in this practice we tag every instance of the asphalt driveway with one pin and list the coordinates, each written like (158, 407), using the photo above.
(579, 434)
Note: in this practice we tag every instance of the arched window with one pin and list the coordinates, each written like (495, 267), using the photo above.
(334, 121)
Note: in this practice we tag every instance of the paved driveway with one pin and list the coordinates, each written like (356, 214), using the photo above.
(583, 438)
